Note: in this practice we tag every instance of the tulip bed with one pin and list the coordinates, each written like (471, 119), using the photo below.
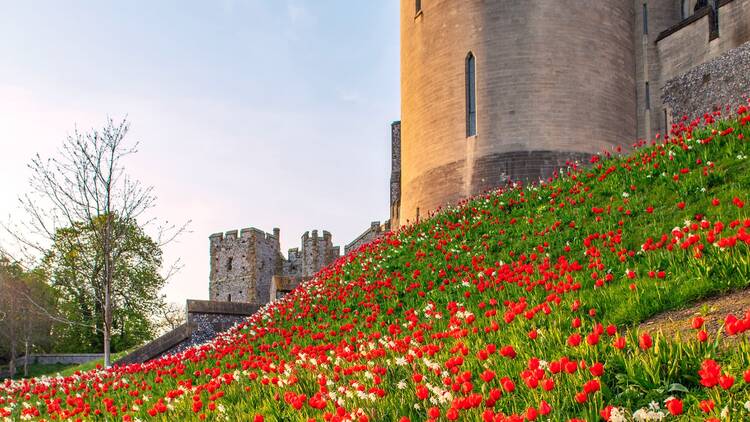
(520, 304)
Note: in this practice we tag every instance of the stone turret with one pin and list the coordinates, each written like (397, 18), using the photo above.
(243, 264)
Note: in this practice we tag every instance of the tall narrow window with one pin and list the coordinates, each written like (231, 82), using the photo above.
(471, 96)
(418, 5)
(229, 264)
(648, 96)
(229, 297)
(645, 19)
(714, 18)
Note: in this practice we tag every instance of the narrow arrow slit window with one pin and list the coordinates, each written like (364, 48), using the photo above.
(471, 96)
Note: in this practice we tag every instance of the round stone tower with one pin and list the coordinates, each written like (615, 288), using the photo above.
(503, 90)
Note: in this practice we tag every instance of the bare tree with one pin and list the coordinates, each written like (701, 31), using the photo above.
(86, 183)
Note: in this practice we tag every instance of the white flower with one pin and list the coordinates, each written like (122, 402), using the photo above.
(617, 415)
(401, 385)
(747, 405)
(643, 415)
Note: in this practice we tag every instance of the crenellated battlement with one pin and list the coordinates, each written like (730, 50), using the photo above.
(245, 233)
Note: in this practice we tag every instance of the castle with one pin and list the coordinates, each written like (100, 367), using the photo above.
(500, 90)
(494, 91)
(248, 267)
(243, 266)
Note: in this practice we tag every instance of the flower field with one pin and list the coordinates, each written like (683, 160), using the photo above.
(515, 305)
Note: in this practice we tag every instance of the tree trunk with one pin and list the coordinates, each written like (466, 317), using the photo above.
(26, 359)
(12, 363)
(107, 316)
(107, 290)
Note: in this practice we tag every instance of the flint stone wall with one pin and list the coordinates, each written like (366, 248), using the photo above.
(205, 320)
(723, 81)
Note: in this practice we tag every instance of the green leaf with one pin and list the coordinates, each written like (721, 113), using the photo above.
(677, 387)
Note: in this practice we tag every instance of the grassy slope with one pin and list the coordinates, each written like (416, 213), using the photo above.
(496, 269)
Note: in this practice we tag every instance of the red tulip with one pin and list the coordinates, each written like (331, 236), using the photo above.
(645, 341)
(674, 406)
(697, 322)
(726, 382)
(707, 406)
(709, 373)
(619, 343)
(597, 369)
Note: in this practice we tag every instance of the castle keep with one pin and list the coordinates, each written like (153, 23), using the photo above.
(501, 90)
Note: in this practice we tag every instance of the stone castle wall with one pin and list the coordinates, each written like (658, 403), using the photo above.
(710, 86)
(373, 232)
(395, 172)
(698, 60)
(205, 320)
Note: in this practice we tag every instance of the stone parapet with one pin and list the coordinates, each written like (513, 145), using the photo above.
(159, 346)
(221, 308)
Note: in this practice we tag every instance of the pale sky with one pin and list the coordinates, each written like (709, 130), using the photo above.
(264, 113)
